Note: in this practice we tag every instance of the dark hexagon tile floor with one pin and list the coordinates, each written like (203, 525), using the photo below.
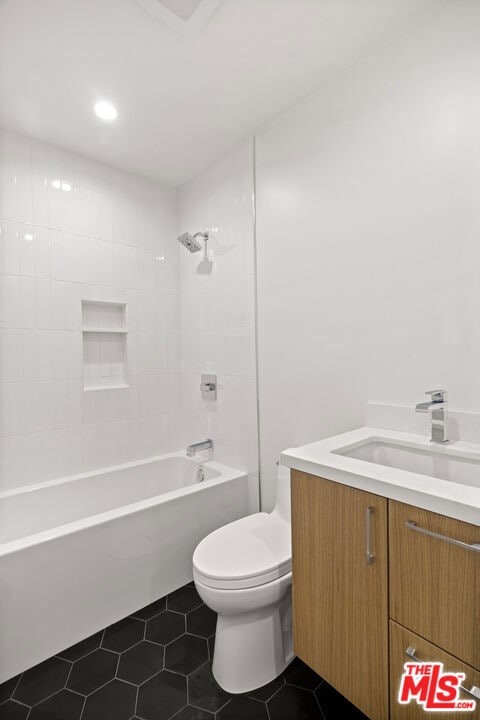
(165, 627)
(92, 671)
(123, 634)
(186, 654)
(156, 665)
(140, 662)
(64, 705)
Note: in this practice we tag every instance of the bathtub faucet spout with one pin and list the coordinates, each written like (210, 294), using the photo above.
(192, 450)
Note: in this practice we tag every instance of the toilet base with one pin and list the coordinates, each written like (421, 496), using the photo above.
(253, 648)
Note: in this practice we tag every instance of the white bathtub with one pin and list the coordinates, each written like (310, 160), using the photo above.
(80, 553)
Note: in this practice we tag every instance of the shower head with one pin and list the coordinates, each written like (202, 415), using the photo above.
(191, 242)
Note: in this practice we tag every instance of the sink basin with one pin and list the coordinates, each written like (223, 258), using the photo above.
(406, 467)
(441, 463)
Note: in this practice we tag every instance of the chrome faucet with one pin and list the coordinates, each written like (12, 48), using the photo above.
(437, 409)
(192, 450)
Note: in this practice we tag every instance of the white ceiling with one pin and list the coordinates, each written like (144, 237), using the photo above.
(182, 100)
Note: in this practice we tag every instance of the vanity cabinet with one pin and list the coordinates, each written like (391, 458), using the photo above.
(435, 579)
(339, 594)
(363, 595)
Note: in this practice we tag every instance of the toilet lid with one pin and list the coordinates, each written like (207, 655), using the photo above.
(248, 552)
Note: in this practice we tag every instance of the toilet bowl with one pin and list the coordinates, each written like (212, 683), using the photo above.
(242, 571)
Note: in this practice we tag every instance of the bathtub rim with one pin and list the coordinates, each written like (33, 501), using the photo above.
(227, 474)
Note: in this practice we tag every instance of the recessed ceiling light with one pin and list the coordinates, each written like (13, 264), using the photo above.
(105, 110)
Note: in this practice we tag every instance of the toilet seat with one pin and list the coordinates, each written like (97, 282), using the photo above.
(246, 553)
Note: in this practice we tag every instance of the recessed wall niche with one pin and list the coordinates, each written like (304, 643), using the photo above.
(104, 331)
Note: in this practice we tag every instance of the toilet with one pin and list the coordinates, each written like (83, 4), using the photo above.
(242, 571)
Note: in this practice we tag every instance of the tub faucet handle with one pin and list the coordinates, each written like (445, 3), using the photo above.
(208, 387)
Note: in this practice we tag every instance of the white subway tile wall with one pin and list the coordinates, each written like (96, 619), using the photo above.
(218, 311)
(73, 230)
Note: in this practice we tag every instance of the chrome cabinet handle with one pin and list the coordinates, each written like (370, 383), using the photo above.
(473, 692)
(412, 525)
(370, 554)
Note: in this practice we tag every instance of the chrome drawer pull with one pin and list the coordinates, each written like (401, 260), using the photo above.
(473, 692)
(370, 554)
(467, 546)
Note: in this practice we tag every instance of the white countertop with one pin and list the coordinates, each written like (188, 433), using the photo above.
(447, 497)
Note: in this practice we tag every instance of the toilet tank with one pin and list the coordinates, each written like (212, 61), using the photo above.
(282, 504)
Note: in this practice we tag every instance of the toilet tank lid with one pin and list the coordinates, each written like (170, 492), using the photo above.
(255, 547)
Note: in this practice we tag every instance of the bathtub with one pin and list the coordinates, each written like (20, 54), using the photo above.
(80, 553)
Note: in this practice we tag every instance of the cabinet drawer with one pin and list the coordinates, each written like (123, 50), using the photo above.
(400, 640)
(434, 583)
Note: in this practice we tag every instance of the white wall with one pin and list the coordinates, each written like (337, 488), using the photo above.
(217, 311)
(112, 237)
(368, 225)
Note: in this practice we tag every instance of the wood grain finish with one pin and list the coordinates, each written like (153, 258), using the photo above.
(434, 585)
(400, 640)
(339, 601)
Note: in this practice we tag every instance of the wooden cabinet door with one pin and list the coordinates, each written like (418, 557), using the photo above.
(435, 584)
(402, 639)
(339, 599)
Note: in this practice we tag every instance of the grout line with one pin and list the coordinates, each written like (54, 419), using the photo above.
(172, 717)
(224, 705)
(276, 692)
(118, 665)
(177, 612)
(201, 637)
(268, 711)
(19, 702)
(127, 649)
(213, 712)
(302, 687)
(49, 697)
(99, 688)
(80, 657)
(177, 672)
(139, 685)
(15, 687)
(187, 612)
(146, 620)
(75, 692)
(136, 700)
(324, 717)
(69, 672)
(83, 708)
(250, 697)
(104, 649)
